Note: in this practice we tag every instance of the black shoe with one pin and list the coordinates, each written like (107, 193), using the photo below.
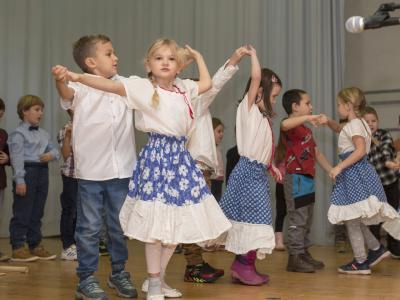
(376, 256)
(318, 265)
(355, 267)
(297, 263)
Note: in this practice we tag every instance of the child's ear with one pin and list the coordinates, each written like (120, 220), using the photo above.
(146, 65)
(294, 106)
(90, 62)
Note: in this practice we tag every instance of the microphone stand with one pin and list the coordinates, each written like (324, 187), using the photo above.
(382, 14)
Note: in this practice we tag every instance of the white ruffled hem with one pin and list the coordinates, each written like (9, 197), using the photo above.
(371, 211)
(152, 221)
(244, 237)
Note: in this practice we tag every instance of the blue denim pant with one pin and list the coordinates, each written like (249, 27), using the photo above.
(26, 222)
(93, 198)
(68, 200)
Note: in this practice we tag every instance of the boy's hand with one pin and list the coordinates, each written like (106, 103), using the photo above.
(276, 174)
(314, 120)
(238, 55)
(323, 119)
(59, 73)
(335, 172)
(46, 157)
(3, 158)
(71, 76)
(20, 189)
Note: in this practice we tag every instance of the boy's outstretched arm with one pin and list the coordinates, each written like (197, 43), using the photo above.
(322, 161)
(293, 122)
(60, 75)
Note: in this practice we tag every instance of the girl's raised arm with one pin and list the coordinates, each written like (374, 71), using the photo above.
(204, 82)
(255, 77)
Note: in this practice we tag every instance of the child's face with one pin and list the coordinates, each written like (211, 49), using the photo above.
(343, 109)
(163, 64)
(304, 107)
(219, 134)
(33, 115)
(372, 122)
(276, 90)
(105, 62)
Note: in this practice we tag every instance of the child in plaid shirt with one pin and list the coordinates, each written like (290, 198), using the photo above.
(383, 151)
(69, 193)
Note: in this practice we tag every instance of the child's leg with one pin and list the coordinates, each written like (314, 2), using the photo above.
(153, 260)
(370, 240)
(280, 207)
(68, 212)
(356, 238)
(116, 191)
(166, 254)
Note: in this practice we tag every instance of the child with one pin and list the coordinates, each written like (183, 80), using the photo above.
(4, 160)
(301, 155)
(217, 178)
(69, 194)
(201, 146)
(104, 151)
(382, 151)
(358, 197)
(30, 150)
(246, 202)
(280, 153)
(168, 201)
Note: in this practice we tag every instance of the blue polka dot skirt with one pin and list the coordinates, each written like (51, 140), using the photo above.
(168, 198)
(358, 193)
(246, 203)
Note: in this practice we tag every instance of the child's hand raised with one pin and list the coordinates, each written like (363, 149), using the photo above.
(192, 53)
(237, 55)
(251, 49)
(73, 76)
(59, 73)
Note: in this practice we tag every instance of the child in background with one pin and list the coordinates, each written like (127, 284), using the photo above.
(246, 201)
(30, 150)
(280, 153)
(382, 151)
(168, 201)
(301, 155)
(217, 178)
(358, 198)
(69, 193)
(4, 160)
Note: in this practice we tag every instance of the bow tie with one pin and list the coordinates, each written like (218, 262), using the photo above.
(33, 128)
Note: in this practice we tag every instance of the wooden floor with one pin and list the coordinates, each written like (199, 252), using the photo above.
(57, 280)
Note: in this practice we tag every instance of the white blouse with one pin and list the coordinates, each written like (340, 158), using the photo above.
(253, 133)
(174, 114)
(352, 128)
(202, 142)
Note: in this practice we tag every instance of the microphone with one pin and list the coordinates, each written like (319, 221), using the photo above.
(357, 24)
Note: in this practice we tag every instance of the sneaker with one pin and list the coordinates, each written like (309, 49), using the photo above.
(42, 253)
(69, 253)
(23, 255)
(3, 257)
(121, 282)
(103, 250)
(167, 291)
(376, 256)
(355, 267)
(89, 289)
(202, 273)
(394, 256)
(318, 265)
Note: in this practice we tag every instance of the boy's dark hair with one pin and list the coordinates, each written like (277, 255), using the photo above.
(268, 79)
(86, 47)
(2, 105)
(290, 97)
(26, 102)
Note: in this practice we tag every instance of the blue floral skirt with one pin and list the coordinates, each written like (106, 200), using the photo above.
(358, 193)
(168, 198)
(247, 204)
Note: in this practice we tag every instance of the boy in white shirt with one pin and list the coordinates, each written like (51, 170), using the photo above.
(105, 156)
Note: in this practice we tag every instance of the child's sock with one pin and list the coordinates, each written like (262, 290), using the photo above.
(154, 286)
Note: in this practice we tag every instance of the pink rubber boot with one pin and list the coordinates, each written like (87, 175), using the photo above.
(243, 269)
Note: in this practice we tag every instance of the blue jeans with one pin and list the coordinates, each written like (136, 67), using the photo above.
(68, 210)
(26, 223)
(93, 198)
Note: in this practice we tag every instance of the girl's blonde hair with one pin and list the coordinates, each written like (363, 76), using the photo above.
(356, 97)
(181, 54)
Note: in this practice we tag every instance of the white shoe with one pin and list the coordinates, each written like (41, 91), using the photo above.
(168, 292)
(155, 297)
(69, 253)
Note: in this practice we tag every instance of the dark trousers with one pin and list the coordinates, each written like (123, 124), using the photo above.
(280, 207)
(392, 195)
(26, 222)
(216, 188)
(68, 200)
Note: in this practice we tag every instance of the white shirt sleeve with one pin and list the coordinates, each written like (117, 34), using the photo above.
(138, 91)
(191, 87)
(356, 127)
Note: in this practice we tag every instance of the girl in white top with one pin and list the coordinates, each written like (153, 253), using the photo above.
(168, 201)
(246, 202)
(358, 198)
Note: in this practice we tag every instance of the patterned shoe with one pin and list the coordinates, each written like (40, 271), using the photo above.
(42, 253)
(375, 257)
(122, 284)
(69, 253)
(355, 267)
(201, 273)
(89, 289)
(23, 255)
